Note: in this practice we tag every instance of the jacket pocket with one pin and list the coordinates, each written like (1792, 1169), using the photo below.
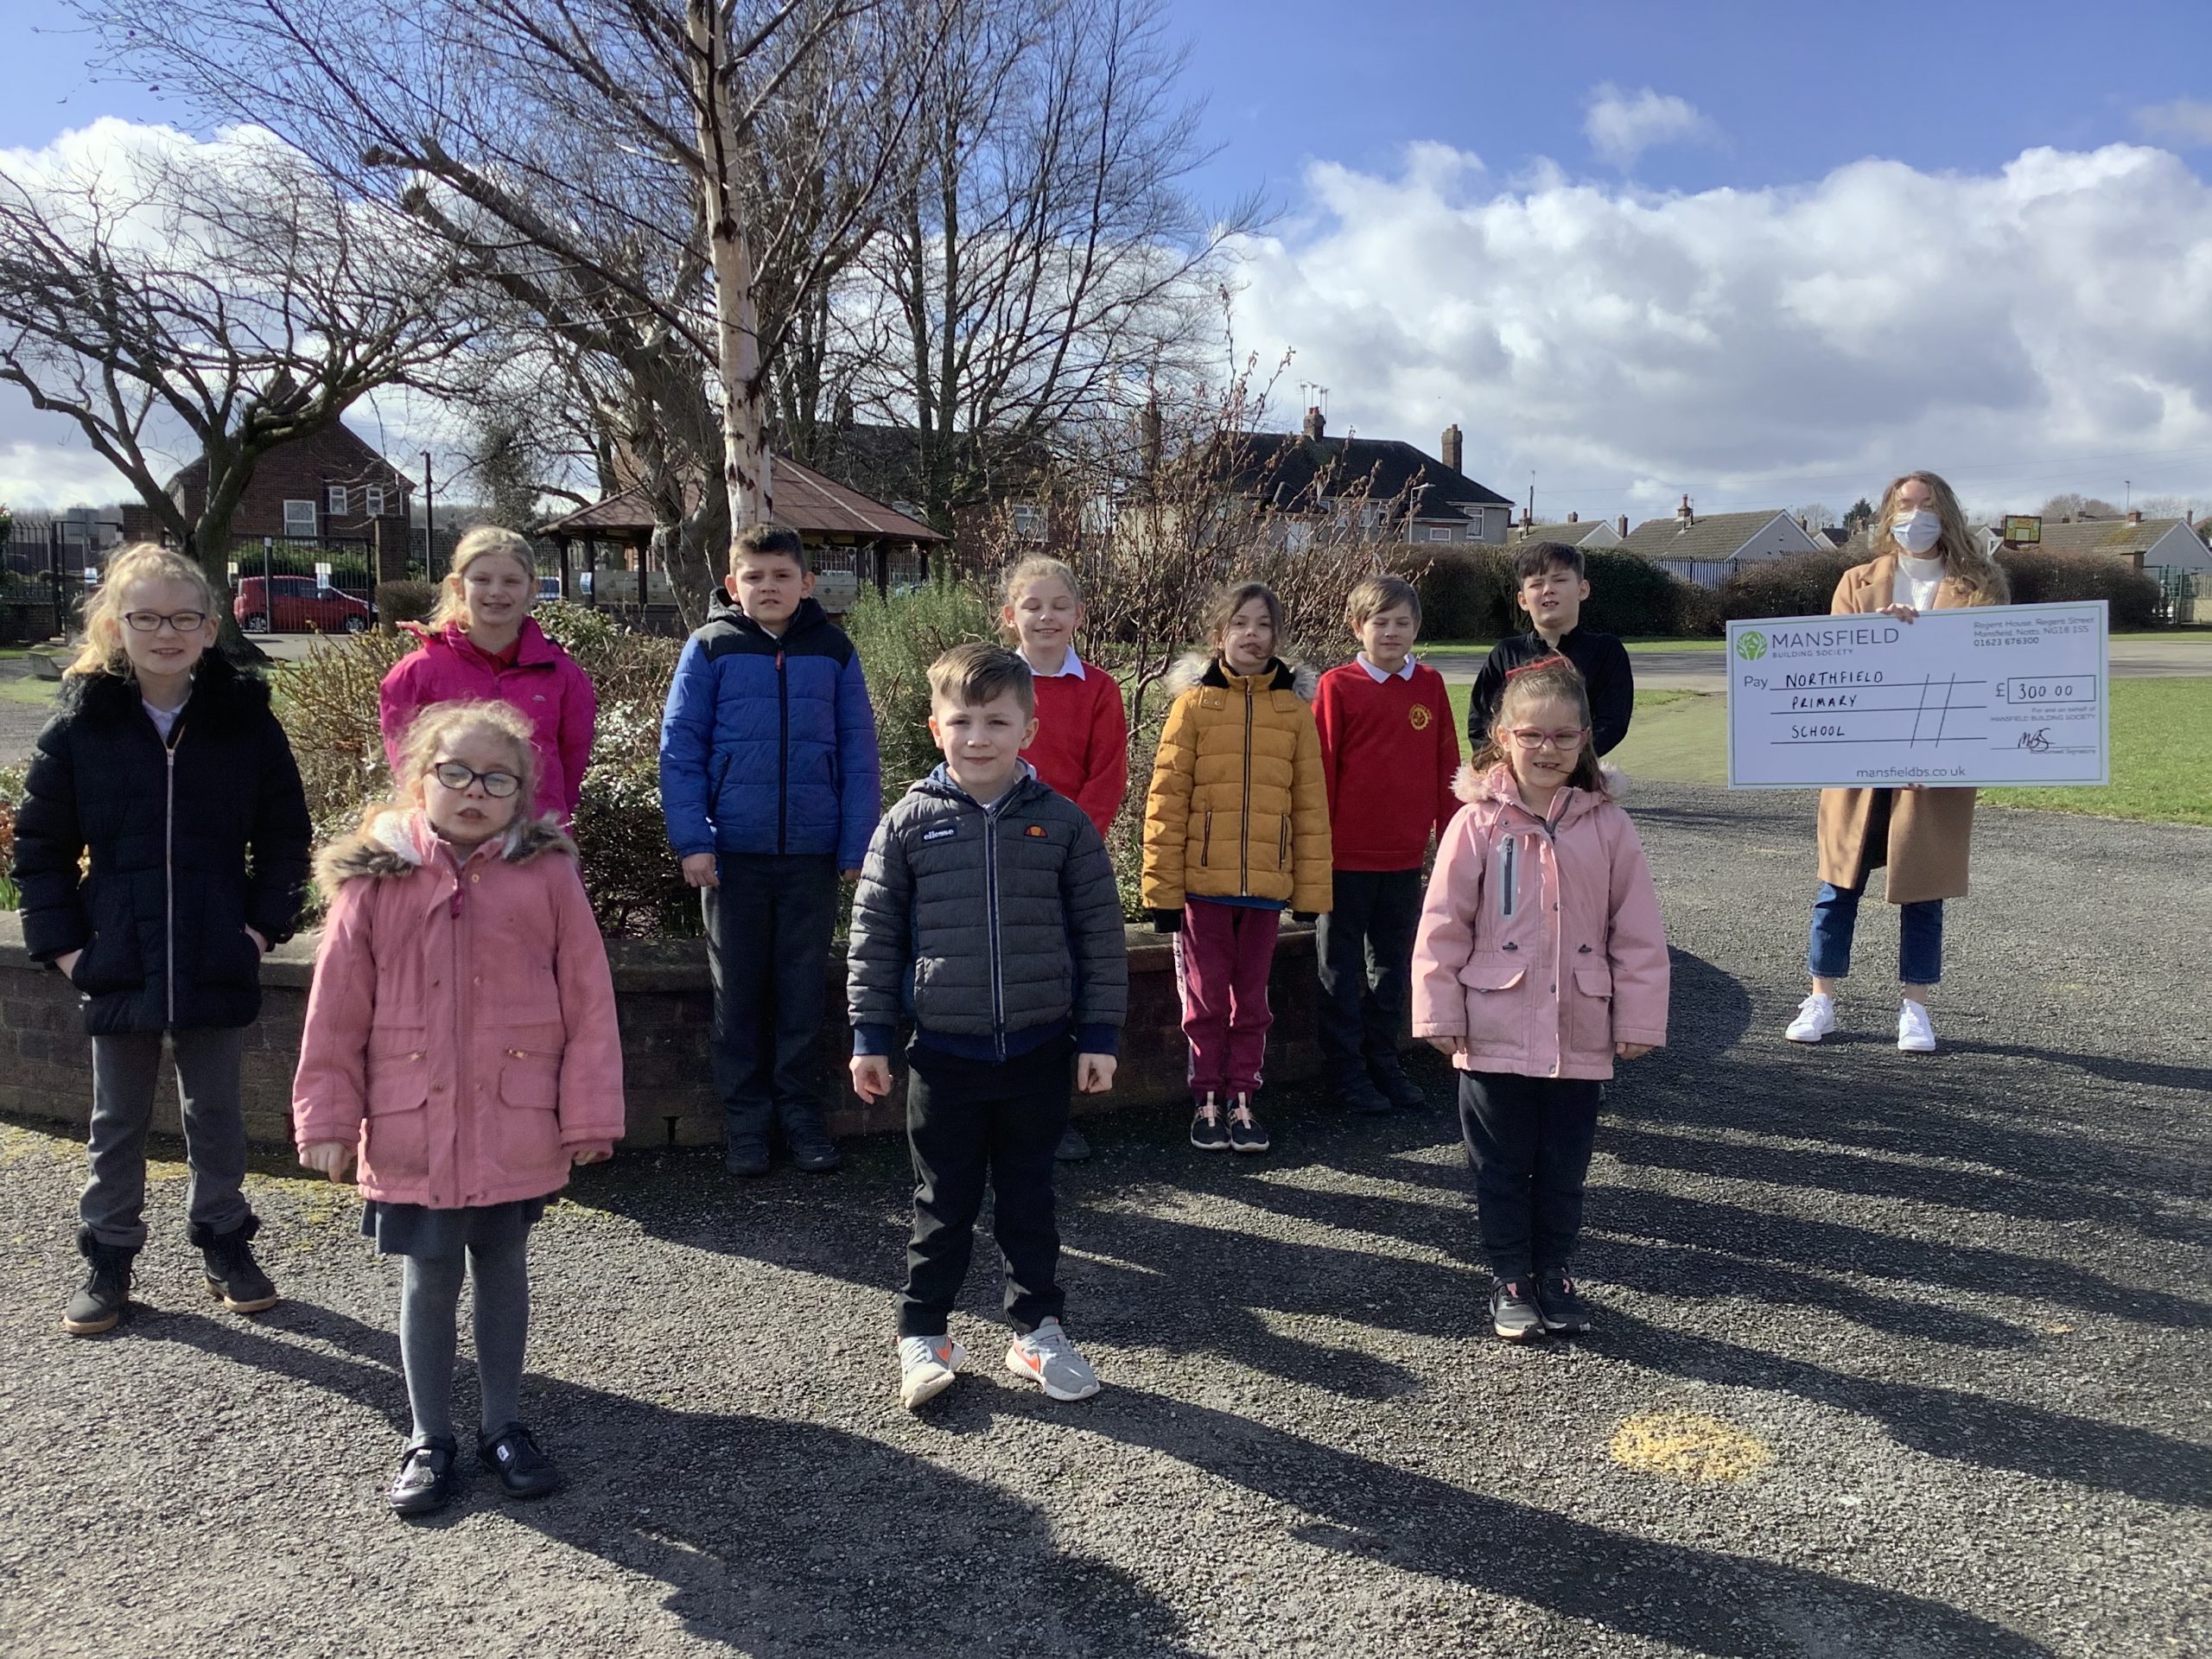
(396, 1134)
(530, 1127)
(1589, 1011)
(109, 961)
(226, 954)
(1493, 1008)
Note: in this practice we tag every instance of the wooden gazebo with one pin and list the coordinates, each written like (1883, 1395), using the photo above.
(850, 539)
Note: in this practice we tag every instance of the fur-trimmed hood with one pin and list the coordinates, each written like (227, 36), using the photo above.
(398, 843)
(1206, 668)
(221, 695)
(1495, 782)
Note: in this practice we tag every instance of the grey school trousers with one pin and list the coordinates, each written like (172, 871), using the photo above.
(125, 1069)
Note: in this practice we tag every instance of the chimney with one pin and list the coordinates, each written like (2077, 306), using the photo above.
(1622, 524)
(1316, 428)
(1683, 517)
(1573, 517)
(2135, 515)
(1450, 451)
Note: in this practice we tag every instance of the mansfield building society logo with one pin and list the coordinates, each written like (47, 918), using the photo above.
(1751, 644)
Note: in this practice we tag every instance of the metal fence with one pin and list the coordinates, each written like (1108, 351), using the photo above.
(1703, 573)
(287, 585)
(2184, 596)
(49, 562)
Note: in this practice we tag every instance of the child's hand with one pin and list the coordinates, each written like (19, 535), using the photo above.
(848, 875)
(330, 1157)
(1450, 1047)
(1631, 1051)
(259, 943)
(699, 871)
(583, 1155)
(1094, 1073)
(871, 1076)
(66, 962)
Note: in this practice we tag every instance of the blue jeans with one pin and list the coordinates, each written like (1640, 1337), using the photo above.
(1836, 918)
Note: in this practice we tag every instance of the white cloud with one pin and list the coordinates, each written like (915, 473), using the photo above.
(1621, 126)
(2029, 330)
(2186, 123)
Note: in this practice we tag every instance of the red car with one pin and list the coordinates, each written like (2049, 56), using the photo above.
(296, 604)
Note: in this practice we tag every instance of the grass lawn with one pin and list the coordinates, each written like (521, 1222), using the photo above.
(2161, 750)
(20, 689)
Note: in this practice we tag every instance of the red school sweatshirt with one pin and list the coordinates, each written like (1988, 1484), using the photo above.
(1389, 750)
(1082, 747)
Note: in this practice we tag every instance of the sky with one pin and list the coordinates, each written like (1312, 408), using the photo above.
(1762, 254)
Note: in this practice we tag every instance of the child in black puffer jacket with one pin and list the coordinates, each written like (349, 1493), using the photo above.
(163, 764)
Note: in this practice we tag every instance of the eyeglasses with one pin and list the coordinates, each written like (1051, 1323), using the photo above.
(457, 778)
(150, 621)
(1530, 738)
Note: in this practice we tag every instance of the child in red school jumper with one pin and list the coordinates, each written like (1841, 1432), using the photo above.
(1389, 750)
(460, 1041)
(1540, 960)
(1082, 746)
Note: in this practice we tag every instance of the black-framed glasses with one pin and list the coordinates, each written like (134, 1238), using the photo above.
(1530, 737)
(150, 621)
(457, 778)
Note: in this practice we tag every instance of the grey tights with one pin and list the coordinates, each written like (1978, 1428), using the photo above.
(430, 1301)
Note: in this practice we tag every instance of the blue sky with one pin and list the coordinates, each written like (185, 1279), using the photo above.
(1761, 254)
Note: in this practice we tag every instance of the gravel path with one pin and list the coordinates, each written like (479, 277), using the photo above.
(1947, 1318)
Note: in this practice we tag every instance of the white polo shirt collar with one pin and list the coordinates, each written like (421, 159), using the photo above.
(1071, 668)
(1378, 676)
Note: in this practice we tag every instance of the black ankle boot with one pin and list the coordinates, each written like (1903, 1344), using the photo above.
(234, 1278)
(106, 1292)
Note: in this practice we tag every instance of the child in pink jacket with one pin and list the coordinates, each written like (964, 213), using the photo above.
(460, 1037)
(482, 642)
(1541, 958)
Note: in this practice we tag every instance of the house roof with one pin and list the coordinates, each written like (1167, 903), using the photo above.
(805, 502)
(1572, 534)
(1710, 536)
(1291, 470)
(2106, 535)
(337, 435)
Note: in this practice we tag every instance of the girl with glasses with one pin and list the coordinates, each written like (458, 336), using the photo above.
(460, 1042)
(161, 848)
(1540, 960)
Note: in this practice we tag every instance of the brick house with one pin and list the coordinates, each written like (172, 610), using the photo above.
(1318, 483)
(330, 486)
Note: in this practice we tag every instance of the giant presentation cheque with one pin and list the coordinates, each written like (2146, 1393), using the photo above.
(1998, 694)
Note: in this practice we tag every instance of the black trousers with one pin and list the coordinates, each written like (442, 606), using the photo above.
(768, 932)
(1529, 1139)
(1364, 948)
(967, 1122)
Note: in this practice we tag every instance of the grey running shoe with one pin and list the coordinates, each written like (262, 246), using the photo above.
(1560, 1303)
(1047, 1357)
(926, 1368)
(1512, 1312)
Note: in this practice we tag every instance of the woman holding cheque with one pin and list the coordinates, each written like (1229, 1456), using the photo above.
(1927, 557)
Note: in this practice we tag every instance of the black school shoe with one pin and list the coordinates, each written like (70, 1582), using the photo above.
(99, 1305)
(1401, 1090)
(524, 1471)
(812, 1150)
(1357, 1093)
(1562, 1309)
(1073, 1149)
(424, 1484)
(1512, 1312)
(234, 1278)
(747, 1157)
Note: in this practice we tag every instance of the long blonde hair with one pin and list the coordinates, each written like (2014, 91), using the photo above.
(1038, 568)
(485, 542)
(102, 652)
(443, 723)
(1964, 560)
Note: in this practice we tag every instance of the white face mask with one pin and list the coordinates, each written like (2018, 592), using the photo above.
(1916, 532)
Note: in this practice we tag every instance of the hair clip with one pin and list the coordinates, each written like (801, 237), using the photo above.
(1554, 659)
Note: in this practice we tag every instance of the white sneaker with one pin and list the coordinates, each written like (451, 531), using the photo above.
(1047, 1357)
(1915, 1031)
(926, 1368)
(1815, 1018)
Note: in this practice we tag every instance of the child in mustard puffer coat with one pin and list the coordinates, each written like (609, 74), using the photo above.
(1235, 831)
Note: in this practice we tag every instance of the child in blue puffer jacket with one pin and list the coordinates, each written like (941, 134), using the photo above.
(770, 785)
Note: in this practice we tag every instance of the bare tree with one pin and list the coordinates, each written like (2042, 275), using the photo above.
(605, 164)
(1045, 265)
(1815, 515)
(232, 301)
(2074, 504)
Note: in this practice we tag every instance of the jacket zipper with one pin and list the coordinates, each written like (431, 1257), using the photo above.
(1509, 875)
(991, 913)
(1206, 845)
(1282, 845)
(783, 751)
(169, 860)
(1245, 840)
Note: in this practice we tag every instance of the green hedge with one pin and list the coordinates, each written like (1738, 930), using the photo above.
(2041, 578)
(1468, 593)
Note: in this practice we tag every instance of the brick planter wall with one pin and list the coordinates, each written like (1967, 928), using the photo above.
(661, 993)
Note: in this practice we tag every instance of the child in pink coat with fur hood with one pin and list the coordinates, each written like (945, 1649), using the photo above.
(1541, 958)
(460, 1039)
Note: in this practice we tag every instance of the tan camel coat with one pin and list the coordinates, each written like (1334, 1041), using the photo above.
(1931, 831)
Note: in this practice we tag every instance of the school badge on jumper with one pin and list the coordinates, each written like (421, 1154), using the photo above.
(1419, 716)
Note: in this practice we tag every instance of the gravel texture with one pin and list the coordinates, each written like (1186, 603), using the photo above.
(1949, 1312)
